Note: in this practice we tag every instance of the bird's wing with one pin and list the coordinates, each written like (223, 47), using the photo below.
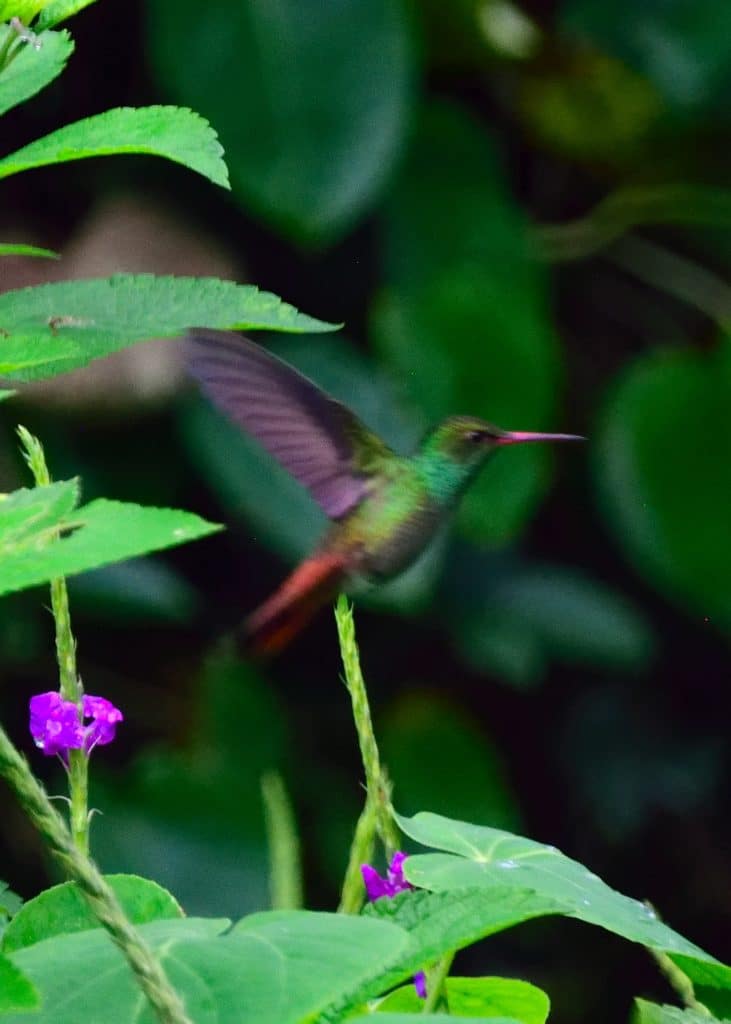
(318, 440)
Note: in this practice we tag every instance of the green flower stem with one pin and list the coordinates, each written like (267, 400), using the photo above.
(147, 970)
(436, 994)
(361, 852)
(69, 683)
(285, 872)
(377, 782)
(680, 982)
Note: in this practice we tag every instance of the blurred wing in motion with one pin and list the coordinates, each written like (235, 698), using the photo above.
(318, 440)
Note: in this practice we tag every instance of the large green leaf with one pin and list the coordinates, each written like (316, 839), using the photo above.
(465, 320)
(311, 100)
(171, 132)
(653, 1013)
(486, 857)
(33, 67)
(20, 352)
(57, 11)
(442, 921)
(103, 315)
(62, 910)
(17, 992)
(664, 475)
(271, 969)
(96, 534)
(478, 997)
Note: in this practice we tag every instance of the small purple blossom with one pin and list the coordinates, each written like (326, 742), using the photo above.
(377, 886)
(56, 726)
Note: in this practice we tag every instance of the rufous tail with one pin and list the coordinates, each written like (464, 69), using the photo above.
(290, 608)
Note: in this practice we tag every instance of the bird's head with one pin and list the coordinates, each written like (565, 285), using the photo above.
(467, 440)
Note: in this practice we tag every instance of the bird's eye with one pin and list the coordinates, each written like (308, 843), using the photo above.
(476, 436)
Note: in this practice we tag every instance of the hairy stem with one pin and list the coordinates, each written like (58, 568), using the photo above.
(70, 685)
(147, 970)
(378, 785)
(361, 852)
(436, 995)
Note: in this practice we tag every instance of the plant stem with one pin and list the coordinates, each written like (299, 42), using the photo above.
(285, 871)
(377, 783)
(361, 852)
(70, 685)
(436, 994)
(680, 982)
(147, 970)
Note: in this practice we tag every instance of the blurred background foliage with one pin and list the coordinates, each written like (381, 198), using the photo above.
(520, 213)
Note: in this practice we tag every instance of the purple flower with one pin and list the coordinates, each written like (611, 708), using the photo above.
(104, 718)
(54, 723)
(57, 727)
(390, 886)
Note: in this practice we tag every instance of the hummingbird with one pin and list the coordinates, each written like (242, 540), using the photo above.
(384, 508)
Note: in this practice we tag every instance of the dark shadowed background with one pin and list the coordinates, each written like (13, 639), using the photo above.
(517, 212)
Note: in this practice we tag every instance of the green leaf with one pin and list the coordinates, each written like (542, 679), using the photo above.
(29, 516)
(430, 1018)
(59, 10)
(83, 975)
(171, 132)
(316, 104)
(32, 69)
(479, 997)
(19, 249)
(10, 902)
(652, 1013)
(271, 969)
(62, 910)
(20, 352)
(103, 315)
(100, 533)
(712, 984)
(442, 921)
(465, 322)
(671, 516)
(25, 10)
(17, 992)
(486, 857)
(6, 394)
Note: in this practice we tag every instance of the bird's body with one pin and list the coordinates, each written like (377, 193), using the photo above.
(385, 507)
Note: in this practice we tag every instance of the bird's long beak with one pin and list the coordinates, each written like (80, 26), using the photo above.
(520, 436)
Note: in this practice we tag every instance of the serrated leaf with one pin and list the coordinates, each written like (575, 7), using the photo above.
(102, 532)
(20, 249)
(32, 69)
(29, 516)
(311, 123)
(172, 132)
(652, 1013)
(486, 857)
(103, 315)
(62, 910)
(17, 991)
(59, 10)
(19, 352)
(479, 998)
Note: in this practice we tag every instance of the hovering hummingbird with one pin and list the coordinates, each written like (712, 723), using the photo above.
(384, 507)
